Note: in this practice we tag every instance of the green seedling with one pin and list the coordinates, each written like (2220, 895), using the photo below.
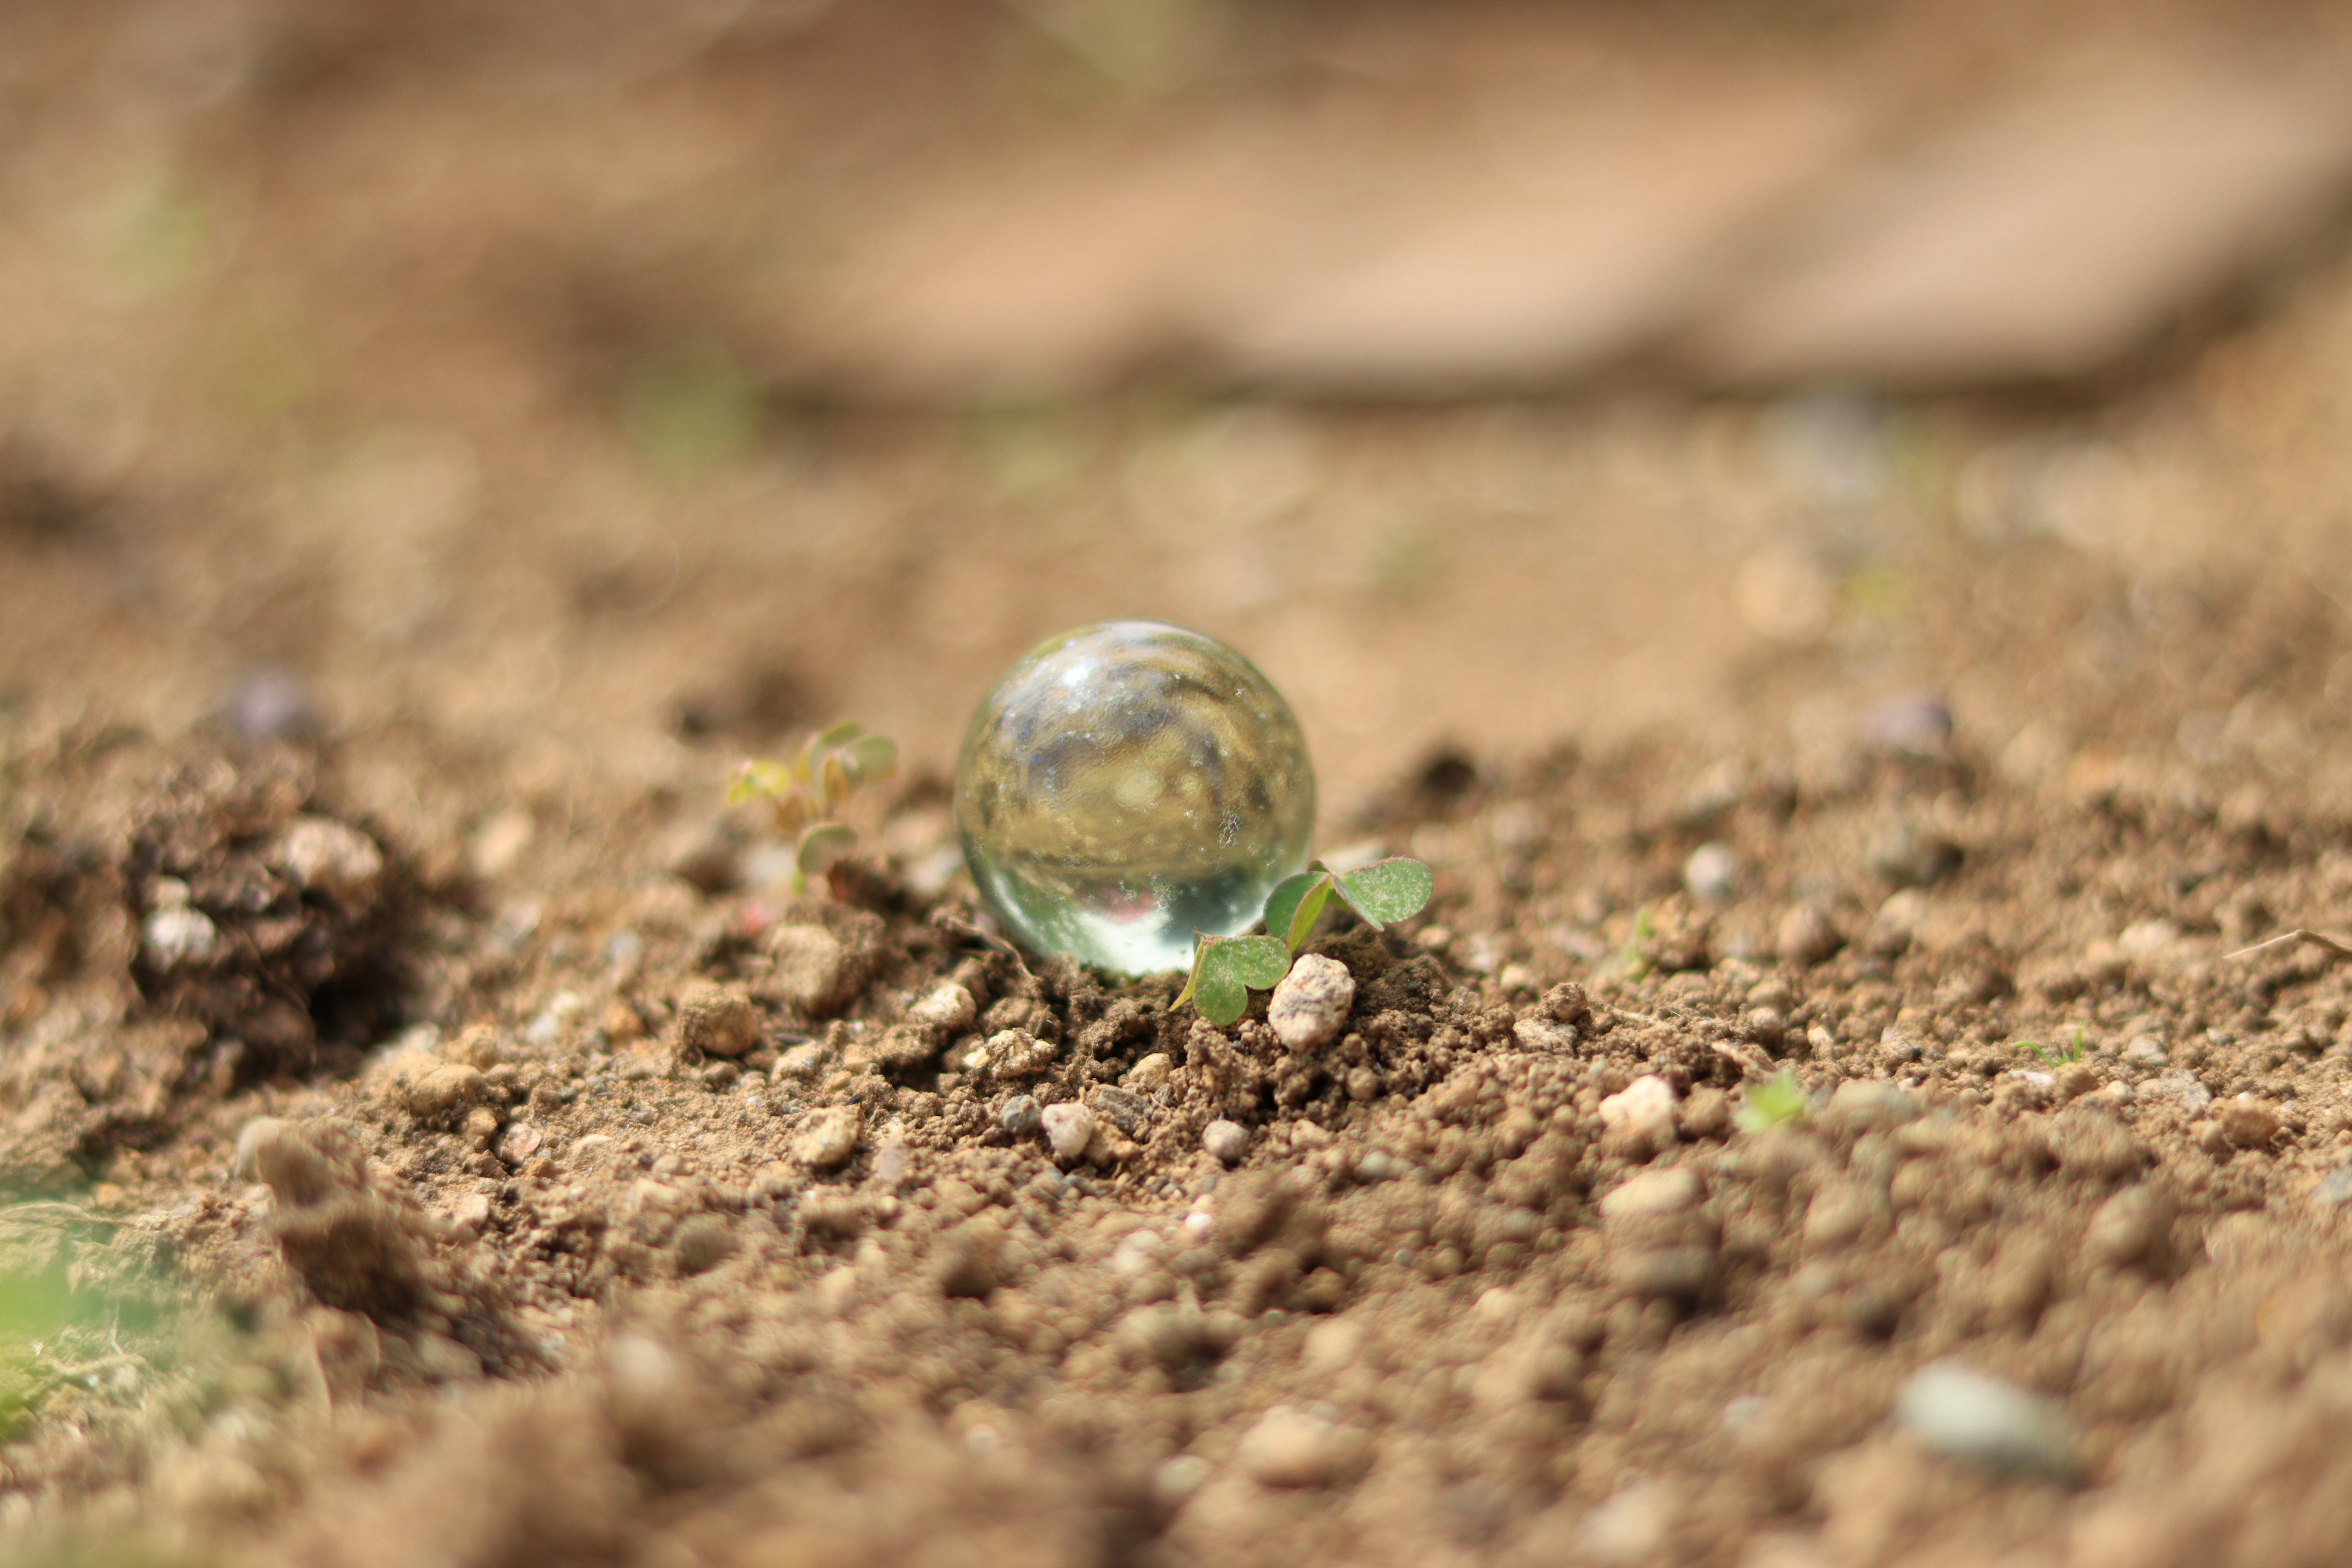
(1775, 1103)
(808, 795)
(1226, 969)
(1632, 959)
(2063, 1056)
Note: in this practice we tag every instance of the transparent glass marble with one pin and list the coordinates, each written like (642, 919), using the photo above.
(1127, 784)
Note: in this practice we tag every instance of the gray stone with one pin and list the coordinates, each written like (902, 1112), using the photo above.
(1019, 1116)
(1963, 1414)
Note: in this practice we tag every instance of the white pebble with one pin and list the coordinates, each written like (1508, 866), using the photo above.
(1645, 1108)
(1712, 873)
(1652, 1194)
(1069, 1128)
(827, 1138)
(945, 1009)
(323, 856)
(1228, 1141)
(1295, 1448)
(2193, 1096)
(182, 935)
(1963, 1414)
(1310, 1006)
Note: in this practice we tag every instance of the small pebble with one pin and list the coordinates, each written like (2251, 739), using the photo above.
(812, 968)
(1870, 1103)
(2248, 1123)
(1712, 873)
(440, 1087)
(827, 1138)
(1069, 1128)
(1653, 1194)
(716, 1021)
(181, 936)
(1228, 1141)
(702, 1244)
(2191, 1095)
(2146, 1050)
(945, 1009)
(1310, 1004)
(1644, 1108)
(1294, 1447)
(1179, 1478)
(1019, 1117)
(1963, 1414)
(2335, 1189)
(323, 856)
(1806, 936)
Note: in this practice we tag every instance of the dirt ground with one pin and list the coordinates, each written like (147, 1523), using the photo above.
(437, 1135)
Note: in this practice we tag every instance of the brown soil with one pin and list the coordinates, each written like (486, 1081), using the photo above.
(441, 1140)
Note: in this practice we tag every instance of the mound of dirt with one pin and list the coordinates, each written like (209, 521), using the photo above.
(1701, 1109)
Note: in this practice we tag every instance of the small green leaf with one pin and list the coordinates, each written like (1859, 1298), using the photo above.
(1778, 1099)
(1284, 902)
(1218, 993)
(1258, 962)
(1226, 969)
(870, 758)
(822, 845)
(837, 736)
(1387, 891)
(1309, 910)
(1200, 949)
(757, 781)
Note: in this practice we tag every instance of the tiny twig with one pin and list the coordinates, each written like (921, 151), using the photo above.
(2340, 946)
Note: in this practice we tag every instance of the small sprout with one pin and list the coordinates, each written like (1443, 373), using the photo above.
(1633, 959)
(1225, 968)
(808, 795)
(2064, 1057)
(1776, 1102)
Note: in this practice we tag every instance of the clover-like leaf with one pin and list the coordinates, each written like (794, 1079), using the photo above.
(1387, 890)
(1292, 896)
(1226, 969)
(1259, 962)
(870, 758)
(822, 846)
(833, 737)
(757, 781)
